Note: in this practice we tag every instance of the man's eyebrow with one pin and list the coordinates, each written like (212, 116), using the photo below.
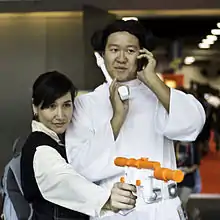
(116, 45)
(113, 45)
(134, 46)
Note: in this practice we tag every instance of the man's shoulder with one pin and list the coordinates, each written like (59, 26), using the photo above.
(91, 97)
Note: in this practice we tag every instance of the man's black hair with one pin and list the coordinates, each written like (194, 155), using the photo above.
(145, 37)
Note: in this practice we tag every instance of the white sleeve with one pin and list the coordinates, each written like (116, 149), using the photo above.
(90, 150)
(185, 120)
(59, 183)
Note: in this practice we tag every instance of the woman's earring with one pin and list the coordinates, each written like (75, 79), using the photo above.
(35, 116)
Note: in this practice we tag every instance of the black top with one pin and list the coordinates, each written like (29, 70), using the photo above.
(43, 209)
(187, 155)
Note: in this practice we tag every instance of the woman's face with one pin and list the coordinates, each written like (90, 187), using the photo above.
(58, 115)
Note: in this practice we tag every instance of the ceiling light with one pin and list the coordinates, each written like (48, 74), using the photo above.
(211, 37)
(189, 60)
(129, 18)
(204, 46)
(215, 31)
(207, 41)
(218, 24)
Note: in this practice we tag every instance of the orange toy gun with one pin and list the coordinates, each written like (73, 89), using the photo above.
(159, 173)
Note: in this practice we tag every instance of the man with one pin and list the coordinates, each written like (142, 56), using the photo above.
(188, 160)
(104, 127)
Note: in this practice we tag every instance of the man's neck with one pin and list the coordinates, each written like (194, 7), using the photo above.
(131, 83)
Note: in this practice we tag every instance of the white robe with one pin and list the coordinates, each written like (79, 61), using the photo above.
(148, 131)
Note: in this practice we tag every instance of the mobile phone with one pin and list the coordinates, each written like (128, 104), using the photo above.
(122, 90)
(141, 63)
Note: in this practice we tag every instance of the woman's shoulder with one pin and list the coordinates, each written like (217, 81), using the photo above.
(36, 139)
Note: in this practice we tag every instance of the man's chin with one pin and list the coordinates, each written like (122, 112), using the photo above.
(124, 79)
(121, 80)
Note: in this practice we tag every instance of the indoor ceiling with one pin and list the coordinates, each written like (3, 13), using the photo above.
(189, 31)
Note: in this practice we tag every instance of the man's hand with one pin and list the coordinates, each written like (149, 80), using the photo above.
(185, 170)
(188, 170)
(152, 81)
(120, 108)
(148, 72)
(121, 197)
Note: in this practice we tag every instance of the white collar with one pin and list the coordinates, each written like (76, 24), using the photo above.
(38, 126)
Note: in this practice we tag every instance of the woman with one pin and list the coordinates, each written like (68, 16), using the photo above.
(53, 187)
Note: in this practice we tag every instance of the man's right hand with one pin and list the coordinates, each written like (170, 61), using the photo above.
(121, 197)
(120, 108)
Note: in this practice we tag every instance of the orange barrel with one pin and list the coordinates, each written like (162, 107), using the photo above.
(120, 161)
(166, 174)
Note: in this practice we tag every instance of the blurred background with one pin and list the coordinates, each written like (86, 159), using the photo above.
(42, 35)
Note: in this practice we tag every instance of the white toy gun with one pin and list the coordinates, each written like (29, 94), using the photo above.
(148, 170)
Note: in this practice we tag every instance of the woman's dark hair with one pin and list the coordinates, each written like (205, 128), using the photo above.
(145, 37)
(50, 86)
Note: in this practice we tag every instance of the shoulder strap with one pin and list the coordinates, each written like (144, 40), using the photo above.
(18, 144)
(14, 167)
(21, 206)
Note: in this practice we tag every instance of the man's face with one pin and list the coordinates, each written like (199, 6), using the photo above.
(120, 56)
